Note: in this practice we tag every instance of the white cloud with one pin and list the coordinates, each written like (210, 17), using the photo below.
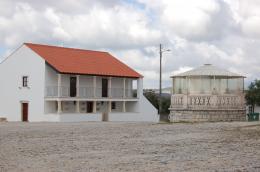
(251, 26)
(222, 32)
(182, 69)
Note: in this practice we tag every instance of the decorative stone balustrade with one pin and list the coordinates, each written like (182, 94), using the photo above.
(207, 102)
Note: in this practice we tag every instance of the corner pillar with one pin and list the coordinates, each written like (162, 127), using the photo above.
(94, 86)
(59, 107)
(139, 87)
(124, 87)
(78, 107)
(110, 87)
(109, 107)
(94, 107)
(77, 86)
(123, 107)
(59, 85)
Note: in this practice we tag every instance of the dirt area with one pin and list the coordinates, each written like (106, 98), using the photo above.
(45, 147)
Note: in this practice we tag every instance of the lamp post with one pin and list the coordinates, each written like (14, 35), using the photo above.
(160, 80)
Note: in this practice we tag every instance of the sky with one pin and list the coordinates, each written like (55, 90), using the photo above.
(225, 33)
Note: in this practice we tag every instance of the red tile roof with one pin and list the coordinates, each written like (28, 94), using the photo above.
(78, 61)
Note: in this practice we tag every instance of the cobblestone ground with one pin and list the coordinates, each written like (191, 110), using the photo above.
(58, 147)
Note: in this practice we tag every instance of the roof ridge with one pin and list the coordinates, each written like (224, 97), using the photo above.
(55, 46)
(208, 70)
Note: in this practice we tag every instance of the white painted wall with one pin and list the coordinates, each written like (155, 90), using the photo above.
(257, 109)
(132, 117)
(86, 81)
(116, 82)
(80, 117)
(51, 76)
(23, 62)
(50, 107)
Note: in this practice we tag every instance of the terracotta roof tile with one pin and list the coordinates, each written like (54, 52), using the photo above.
(79, 61)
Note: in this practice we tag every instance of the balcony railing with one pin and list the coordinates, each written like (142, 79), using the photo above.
(228, 101)
(88, 92)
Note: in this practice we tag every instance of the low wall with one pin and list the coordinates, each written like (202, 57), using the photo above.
(132, 117)
(80, 117)
(113, 116)
(207, 115)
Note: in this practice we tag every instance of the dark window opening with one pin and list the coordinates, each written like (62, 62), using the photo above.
(25, 81)
(104, 88)
(73, 86)
(89, 107)
(113, 105)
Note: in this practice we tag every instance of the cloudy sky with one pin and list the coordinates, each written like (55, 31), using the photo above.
(225, 33)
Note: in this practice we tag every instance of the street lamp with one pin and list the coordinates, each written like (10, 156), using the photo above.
(160, 84)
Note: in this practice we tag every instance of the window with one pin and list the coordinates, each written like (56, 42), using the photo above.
(113, 105)
(25, 81)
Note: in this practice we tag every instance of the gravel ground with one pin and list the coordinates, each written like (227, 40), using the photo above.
(44, 147)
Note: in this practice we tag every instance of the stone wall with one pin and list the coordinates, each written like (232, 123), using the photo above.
(207, 115)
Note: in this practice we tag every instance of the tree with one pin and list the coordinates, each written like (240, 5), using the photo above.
(253, 94)
(154, 99)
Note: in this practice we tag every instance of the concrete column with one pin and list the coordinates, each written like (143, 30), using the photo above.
(78, 107)
(124, 87)
(227, 86)
(214, 85)
(139, 87)
(94, 86)
(243, 85)
(110, 87)
(94, 106)
(201, 85)
(59, 107)
(123, 107)
(59, 85)
(188, 85)
(77, 85)
(185, 101)
(214, 101)
(172, 92)
(109, 107)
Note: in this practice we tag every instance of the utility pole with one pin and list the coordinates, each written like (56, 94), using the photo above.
(160, 80)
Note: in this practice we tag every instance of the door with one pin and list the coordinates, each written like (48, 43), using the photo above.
(104, 87)
(73, 86)
(89, 107)
(25, 112)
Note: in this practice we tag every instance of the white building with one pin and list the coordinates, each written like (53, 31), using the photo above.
(49, 83)
(208, 93)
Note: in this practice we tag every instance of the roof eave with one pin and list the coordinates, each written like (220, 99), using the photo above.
(224, 76)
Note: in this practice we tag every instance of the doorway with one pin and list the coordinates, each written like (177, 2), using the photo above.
(73, 86)
(104, 87)
(89, 107)
(25, 112)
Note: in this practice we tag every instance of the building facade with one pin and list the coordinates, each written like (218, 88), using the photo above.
(49, 83)
(207, 93)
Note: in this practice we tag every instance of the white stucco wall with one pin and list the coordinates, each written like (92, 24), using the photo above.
(141, 110)
(257, 109)
(80, 117)
(86, 81)
(23, 62)
(51, 76)
(117, 82)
